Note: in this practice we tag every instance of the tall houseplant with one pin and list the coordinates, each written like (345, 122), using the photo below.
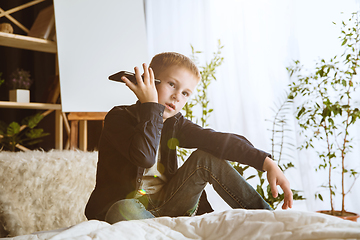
(327, 109)
(200, 99)
(207, 73)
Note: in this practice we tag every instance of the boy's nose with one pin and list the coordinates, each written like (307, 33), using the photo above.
(176, 96)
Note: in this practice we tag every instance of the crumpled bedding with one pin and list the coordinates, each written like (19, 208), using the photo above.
(230, 224)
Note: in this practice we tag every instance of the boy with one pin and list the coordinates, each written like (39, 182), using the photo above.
(137, 173)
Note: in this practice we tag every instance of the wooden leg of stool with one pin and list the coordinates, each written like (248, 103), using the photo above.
(74, 128)
(83, 135)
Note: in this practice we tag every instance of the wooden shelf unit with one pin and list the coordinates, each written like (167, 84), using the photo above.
(28, 43)
(33, 44)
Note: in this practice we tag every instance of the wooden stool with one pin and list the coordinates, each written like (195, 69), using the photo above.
(78, 128)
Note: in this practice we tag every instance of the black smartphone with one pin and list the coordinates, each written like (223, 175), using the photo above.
(129, 75)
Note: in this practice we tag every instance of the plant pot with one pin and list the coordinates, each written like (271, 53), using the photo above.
(19, 95)
(348, 215)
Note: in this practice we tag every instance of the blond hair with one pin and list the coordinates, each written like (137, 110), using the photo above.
(165, 60)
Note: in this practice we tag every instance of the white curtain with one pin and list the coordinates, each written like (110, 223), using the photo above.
(261, 39)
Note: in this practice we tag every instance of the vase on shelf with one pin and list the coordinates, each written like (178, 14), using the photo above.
(19, 95)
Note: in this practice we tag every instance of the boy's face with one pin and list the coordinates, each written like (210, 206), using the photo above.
(177, 84)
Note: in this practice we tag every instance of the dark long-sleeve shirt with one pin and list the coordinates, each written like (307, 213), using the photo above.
(129, 142)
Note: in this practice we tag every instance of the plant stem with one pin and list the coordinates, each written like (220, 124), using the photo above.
(330, 167)
(343, 155)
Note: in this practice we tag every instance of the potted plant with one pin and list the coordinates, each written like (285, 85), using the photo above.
(327, 110)
(19, 83)
(280, 141)
(20, 136)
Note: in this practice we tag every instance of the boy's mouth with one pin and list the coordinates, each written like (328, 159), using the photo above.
(171, 106)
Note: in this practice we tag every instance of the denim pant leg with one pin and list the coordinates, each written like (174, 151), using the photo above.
(127, 209)
(181, 194)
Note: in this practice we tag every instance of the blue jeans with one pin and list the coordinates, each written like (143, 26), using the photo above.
(180, 195)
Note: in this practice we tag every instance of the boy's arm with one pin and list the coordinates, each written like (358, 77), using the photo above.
(133, 139)
(137, 140)
(227, 146)
(276, 177)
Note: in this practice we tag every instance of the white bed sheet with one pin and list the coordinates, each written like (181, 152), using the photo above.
(230, 224)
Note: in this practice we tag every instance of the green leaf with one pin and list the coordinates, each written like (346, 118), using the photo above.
(250, 177)
(302, 110)
(13, 129)
(240, 169)
(260, 191)
(344, 42)
(32, 121)
(36, 133)
(262, 181)
(34, 142)
(320, 197)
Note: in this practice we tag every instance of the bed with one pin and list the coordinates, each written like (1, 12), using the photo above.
(43, 196)
(230, 224)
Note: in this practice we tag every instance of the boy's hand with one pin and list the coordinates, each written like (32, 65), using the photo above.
(145, 90)
(276, 177)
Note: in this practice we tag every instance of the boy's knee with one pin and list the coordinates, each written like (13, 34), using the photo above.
(204, 157)
(199, 154)
(127, 209)
(201, 158)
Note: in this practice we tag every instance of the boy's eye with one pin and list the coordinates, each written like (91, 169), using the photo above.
(186, 94)
(171, 84)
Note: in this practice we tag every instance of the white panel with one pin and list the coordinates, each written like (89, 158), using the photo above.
(96, 39)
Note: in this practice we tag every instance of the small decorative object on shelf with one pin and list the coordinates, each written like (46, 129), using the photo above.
(19, 84)
(6, 27)
(19, 95)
